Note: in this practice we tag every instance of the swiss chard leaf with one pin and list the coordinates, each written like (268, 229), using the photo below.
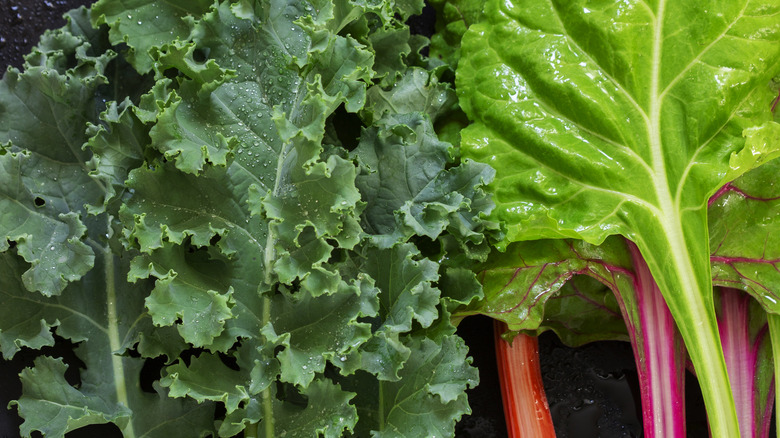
(584, 310)
(519, 283)
(599, 125)
(743, 234)
(525, 288)
(744, 256)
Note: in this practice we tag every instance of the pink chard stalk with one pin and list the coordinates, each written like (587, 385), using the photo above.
(659, 353)
(531, 295)
(745, 255)
(536, 296)
(744, 334)
(611, 123)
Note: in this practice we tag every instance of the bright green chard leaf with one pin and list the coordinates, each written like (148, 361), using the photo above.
(743, 241)
(596, 128)
(540, 285)
(524, 287)
(742, 222)
(743, 235)
(584, 310)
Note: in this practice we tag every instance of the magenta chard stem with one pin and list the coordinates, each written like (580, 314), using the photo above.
(742, 351)
(659, 353)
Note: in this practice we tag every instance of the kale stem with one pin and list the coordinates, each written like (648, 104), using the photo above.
(268, 408)
(113, 338)
(250, 431)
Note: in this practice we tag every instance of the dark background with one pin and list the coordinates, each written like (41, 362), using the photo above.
(592, 390)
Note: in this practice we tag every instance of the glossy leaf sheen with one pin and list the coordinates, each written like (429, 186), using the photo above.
(744, 238)
(743, 223)
(624, 119)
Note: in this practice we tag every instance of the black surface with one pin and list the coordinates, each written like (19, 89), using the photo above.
(487, 418)
(593, 390)
(23, 21)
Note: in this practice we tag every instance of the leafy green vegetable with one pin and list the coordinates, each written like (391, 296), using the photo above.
(455, 17)
(743, 241)
(741, 223)
(192, 200)
(598, 125)
(144, 24)
(97, 307)
(200, 197)
(584, 310)
(742, 219)
(540, 285)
